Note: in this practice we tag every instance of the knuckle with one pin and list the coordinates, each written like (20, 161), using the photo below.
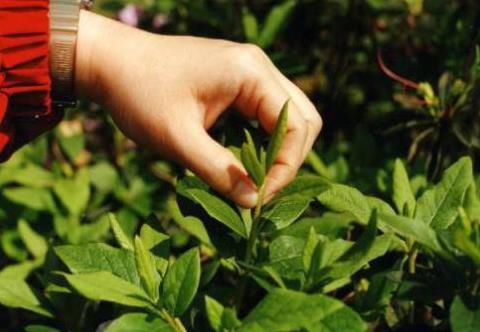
(317, 122)
(246, 55)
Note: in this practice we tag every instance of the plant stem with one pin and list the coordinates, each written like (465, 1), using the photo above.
(249, 253)
(412, 261)
(174, 322)
(255, 226)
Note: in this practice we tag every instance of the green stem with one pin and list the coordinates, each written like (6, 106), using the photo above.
(255, 226)
(174, 322)
(249, 253)
(412, 261)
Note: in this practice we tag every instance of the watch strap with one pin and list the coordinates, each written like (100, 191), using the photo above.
(64, 19)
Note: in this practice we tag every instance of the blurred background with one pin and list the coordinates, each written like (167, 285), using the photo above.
(391, 78)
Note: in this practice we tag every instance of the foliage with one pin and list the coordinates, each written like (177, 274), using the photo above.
(97, 234)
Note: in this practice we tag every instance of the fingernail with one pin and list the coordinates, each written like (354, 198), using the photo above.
(245, 194)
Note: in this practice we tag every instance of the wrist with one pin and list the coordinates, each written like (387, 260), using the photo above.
(86, 73)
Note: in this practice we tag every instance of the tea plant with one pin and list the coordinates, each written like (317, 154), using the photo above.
(97, 235)
(278, 267)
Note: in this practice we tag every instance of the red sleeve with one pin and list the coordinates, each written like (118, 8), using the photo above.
(25, 85)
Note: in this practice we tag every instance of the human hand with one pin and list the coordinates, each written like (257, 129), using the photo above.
(165, 92)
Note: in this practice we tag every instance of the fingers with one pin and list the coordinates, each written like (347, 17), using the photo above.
(263, 93)
(216, 165)
(309, 112)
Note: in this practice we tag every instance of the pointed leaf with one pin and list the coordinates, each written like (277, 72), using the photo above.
(410, 228)
(252, 165)
(250, 25)
(286, 310)
(309, 249)
(278, 134)
(219, 210)
(190, 224)
(214, 313)
(181, 282)
(158, 244)
(438, 207)
(275, 21)
(402, 191)
(341, 198)
(122, 239)
(74, 193)
(105, 286)
(34, 242)
(147, 271)
(286, 210)
(15, 293)
(139, 322)
(220, 318)
(99, 257)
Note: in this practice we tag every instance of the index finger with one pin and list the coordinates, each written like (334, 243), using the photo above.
(267, 99)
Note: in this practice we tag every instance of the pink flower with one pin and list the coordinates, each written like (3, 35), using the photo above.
(159, 21)
(130, 15)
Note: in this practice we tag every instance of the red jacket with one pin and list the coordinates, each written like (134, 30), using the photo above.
(25, 85)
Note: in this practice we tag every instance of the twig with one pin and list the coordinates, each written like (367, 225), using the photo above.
(394, 76)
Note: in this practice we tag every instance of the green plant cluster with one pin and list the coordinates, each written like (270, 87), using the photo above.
(380, 230)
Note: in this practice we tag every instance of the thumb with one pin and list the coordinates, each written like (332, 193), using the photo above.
(217, 166)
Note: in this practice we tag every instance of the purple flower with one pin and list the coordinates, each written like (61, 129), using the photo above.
(130, 15)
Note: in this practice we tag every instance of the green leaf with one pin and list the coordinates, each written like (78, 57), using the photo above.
(33, 176)
(286, 256)
(72, 145)
(190, 224)
(365, 249)
(34, 242)
(341, 198)
(462, 318)
(463, 242)
(309, 249)
(275, 22)
(402, 191)
(181, 282)
(158, 244)
(39, 199)
(40, 328)
(105, 286)
(139, 322)
(103, 176)
(99, 257)
(12, 245)
(21, 270)
(219, 210)
(330, 224)
(122, 239)
(250, 25)
(286, 310)
(305, 186)
(252, 165)
(438, 207)
(250, 160)
(147, 271)
(286, 210)
(219, 317)
(411, 228)
(379, 205)
(15, 293)
(74, 193)
(214, 313)
(278, 135)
